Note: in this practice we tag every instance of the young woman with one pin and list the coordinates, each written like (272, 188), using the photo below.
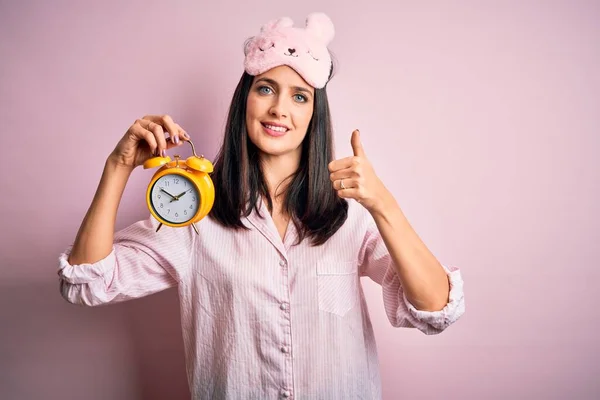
(270, 294)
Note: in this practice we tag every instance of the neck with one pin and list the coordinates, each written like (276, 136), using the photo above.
(277, 172)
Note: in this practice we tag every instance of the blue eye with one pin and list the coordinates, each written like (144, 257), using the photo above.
(300, 98)
(265, 90)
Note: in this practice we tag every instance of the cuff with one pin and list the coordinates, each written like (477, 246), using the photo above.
(84, 273)
(455, 307)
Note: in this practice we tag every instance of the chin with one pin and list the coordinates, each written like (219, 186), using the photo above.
(274, 150)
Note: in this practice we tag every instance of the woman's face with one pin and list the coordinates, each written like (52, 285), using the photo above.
(278, 111)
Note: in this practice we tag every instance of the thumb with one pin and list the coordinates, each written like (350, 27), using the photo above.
(356, 144)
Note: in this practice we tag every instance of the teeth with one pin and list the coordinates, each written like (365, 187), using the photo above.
(276, 128)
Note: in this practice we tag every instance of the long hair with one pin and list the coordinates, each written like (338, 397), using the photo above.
(310, 200)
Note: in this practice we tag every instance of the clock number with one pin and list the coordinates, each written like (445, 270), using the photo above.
(161, 205)
(159, 196)
(166, 183)
(184, 212)
(190, 206)
(176, 181)
(177, 215)
(193, 198)
(168, 210)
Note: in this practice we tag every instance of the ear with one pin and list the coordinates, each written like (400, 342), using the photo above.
(320, 26)
(248, 45)
(284, 22)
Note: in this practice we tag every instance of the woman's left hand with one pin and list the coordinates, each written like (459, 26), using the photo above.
(354, 178)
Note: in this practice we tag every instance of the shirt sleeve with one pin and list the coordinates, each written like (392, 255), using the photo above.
(378, 265)
(141, 262)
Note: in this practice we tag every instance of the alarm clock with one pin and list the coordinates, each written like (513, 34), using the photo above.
(180, 193)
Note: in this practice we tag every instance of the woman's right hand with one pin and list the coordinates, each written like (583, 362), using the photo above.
(147, 138)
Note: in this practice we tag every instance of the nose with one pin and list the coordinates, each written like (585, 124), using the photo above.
(292, 51)
(278, 107)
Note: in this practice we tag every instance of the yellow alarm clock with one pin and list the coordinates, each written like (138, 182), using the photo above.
(180, 193)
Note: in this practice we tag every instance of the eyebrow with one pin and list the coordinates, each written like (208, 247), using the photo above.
(274, 83)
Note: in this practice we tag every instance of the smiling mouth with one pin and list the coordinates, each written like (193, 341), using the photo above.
(275, 128)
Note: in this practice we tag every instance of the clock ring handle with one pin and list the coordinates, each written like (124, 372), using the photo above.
(193, 148)
(191, 144)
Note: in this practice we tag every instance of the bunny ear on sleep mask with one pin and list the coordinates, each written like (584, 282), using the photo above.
(303, 49)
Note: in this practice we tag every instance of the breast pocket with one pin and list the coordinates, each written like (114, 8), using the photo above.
(337, 286)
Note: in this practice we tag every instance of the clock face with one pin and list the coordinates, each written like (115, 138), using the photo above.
(174, 198)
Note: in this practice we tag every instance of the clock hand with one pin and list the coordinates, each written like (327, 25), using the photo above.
(182, 193)
(179, 195)
(168, 193)
(175, 198)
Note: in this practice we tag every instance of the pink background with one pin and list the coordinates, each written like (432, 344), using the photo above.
(483, 118)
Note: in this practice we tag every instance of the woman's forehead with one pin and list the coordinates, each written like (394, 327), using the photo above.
(284, 76)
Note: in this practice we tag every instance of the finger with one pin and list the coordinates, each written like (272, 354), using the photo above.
(342, 163)
(347, 184)
(141, 133)
(171, 127)
(345, 173)
(168, 125)
(349, 194)
(159, 136)
(182, 136)
(182, 133)
(357, 147)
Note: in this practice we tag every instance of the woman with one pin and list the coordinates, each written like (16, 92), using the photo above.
(270, 294)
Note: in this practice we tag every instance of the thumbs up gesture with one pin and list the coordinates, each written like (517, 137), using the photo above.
(354, 178)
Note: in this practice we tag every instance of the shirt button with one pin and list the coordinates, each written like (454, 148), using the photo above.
(284, 349)
(283, 306)
(282, 263)
(286, 393)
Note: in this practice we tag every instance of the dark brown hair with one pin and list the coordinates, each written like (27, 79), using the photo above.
(310, 200)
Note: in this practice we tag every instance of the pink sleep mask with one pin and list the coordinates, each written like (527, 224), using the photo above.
(303, 49)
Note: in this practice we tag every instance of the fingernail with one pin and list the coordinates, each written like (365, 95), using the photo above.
(186, 136)
(164, 152)
(175, 139)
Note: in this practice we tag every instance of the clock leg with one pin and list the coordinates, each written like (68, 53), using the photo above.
(196, 229)
(159, 226)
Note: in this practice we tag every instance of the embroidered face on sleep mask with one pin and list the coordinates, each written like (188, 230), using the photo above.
(303, 49)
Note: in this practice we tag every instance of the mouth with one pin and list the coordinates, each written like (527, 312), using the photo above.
(274, 129)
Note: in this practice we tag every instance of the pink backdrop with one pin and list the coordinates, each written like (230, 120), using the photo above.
(482, 117)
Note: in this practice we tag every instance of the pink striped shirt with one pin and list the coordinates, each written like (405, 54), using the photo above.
(262, 318)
